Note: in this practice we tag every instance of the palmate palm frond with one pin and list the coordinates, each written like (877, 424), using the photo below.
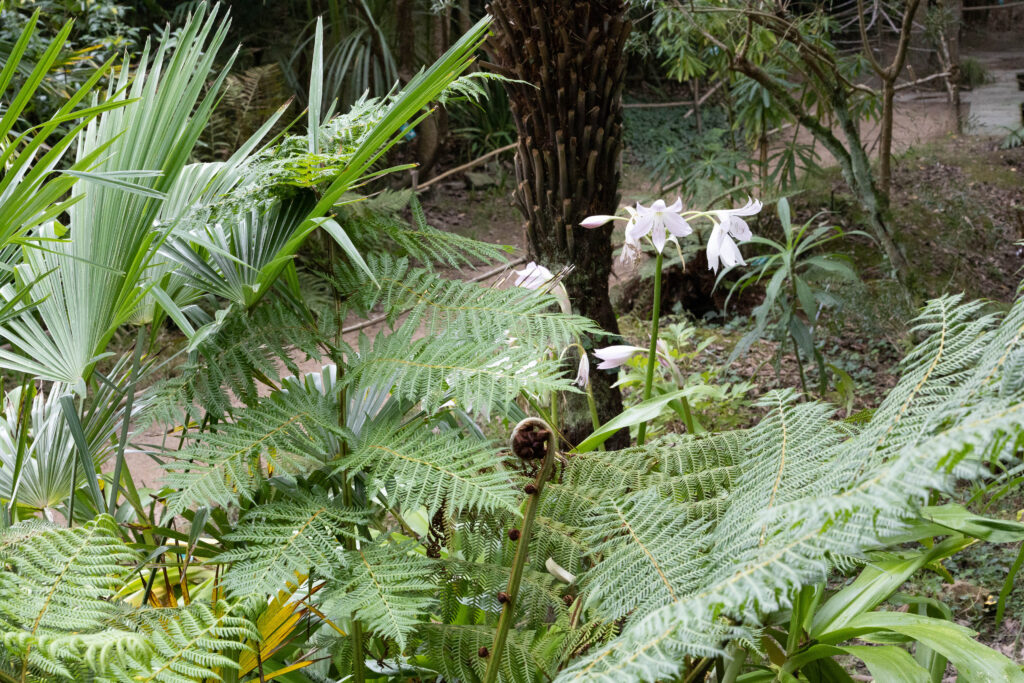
(98, 277)
(45, 476)
(31, 192)
(811, 493)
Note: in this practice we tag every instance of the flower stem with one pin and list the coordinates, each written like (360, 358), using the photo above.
(652, 356)
(522, 550)
(688, 416)
(594, 418)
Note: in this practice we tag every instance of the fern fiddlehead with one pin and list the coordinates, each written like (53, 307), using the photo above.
(533, 492)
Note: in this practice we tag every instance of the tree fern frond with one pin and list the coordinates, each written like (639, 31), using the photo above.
(812, 493)
(245, 350)
(277, 541)
(387, 587)
(418, 467)
(286, 431)
(539, 599)
(454, 651)
(650, 555)
(188, 643)
(376, 226)
(460, 309)
(480, 375)
(55, 579)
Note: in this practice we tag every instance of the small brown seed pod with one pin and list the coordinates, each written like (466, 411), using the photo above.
(514, 534)
(503, 597)
(530, 489)
(483, 652)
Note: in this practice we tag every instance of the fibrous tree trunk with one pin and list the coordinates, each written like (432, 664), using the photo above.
(568, 115)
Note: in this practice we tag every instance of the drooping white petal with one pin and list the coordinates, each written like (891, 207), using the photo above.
(751, 208)
(615, 356)
(533, 276)
(730, 253)
(715, 246)
(562, 295)
(677, 206)
(677, 225)
(738, 228)
(583, 372)
(597, 221)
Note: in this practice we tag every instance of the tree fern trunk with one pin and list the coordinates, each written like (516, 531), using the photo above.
(568, 114)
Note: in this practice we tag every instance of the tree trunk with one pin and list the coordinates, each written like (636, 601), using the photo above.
(568, 115)
(885, 137)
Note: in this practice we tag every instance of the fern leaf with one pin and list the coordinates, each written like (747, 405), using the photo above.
(480, 375)
(281, 540)
(55, 579)
(453, 650)
(189, 643)
(420, 468)
(387, 587)
(287, 431)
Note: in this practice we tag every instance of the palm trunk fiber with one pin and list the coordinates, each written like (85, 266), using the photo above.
(568, 113)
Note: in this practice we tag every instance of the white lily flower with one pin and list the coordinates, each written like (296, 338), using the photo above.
(662, 222)
(533, 276)
(615, 356)
(721, 247)
(631, 247)
(583, 373)
(536, 276)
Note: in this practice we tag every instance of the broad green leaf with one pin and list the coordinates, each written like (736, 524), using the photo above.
(958, 518)
(642, 412)
(974, 661)
(889, 663)
(877, 581)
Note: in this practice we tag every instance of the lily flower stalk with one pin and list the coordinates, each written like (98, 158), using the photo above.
(662, 223)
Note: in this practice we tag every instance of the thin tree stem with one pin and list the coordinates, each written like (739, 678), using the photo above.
(652, 356)
(799, 365)
(522, 550)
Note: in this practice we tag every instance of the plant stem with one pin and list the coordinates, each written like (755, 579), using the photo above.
(737, 656)
(356, 634)
(1004, 594)
(522, 550)
(594, 418)
(652, 356)
(799, 366)
(687, 416)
